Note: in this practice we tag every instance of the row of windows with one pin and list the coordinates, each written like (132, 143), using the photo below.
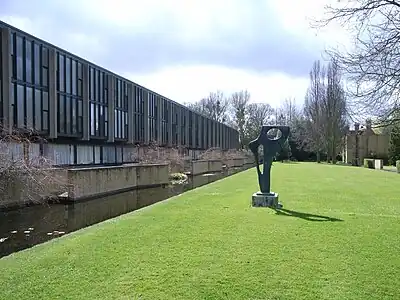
(30, 100)
(31, 107)
(98, 120)
(70, 115)
(122, 91)
(121, 94)
(98, 86)
(69, 76)
(30, 61)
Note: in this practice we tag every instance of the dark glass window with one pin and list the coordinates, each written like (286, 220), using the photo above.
(37, 66)
(69, 79)
(61, 73)
(68, 116)
(74, 78)
(61, 113)
(19, 57)
(45, 57)
(38, 110)
(28, 62)
(98, 95)
(29, 108)
(20, 106)
(45, 109)
(45, 77)
(121, 109)
(68, 75)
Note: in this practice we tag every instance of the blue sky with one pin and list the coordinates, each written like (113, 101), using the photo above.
(186, 49)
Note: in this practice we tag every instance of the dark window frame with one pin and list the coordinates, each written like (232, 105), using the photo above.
(98, 93)
(69, 104)
(121, 98)
(38, 108)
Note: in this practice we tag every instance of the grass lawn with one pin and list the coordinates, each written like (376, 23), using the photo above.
(210, 244)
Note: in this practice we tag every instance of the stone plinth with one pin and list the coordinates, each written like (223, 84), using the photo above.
(265, 200)
(378, 164)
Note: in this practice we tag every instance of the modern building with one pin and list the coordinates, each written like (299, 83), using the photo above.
(87, 113)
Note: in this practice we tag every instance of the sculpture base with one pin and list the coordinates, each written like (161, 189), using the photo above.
(266, 200)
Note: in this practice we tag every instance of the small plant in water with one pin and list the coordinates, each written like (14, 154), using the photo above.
(177, 178)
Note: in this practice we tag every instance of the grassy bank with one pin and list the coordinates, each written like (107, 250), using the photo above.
(337, 238)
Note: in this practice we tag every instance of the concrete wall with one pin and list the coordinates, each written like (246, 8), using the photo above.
(23, 190)
(214, 166)
(249, 161)
(367, 144)
(205, 166)
(199, 167)
(235, 162)
(97, 181)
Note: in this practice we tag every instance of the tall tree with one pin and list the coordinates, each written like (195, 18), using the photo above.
(287, 112)
(238, 104)
(372, 66)
(258, 114)
(334, 109)
(313, 110)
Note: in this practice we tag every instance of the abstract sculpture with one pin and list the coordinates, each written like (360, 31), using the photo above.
(272, 144)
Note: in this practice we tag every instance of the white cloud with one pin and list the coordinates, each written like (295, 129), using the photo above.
(191, 20)
(301, 14)
(191, 83)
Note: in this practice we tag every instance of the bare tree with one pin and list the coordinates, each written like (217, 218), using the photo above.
(215, 106)
(238, 104)
(24, 177)
(334, 109)
(313, 110)
(287, 112)
(196, 106)
(258, 114)
(373, 67)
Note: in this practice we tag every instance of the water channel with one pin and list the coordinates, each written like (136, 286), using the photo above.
(28, 226)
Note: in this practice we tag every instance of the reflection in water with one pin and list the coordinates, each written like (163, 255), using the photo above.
(29, 226)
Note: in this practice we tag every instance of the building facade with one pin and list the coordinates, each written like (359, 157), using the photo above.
(363, 142)
(71, 101)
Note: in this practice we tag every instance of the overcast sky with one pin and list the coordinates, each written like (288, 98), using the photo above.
(185, 49)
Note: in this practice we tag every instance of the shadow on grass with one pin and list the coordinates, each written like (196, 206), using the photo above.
(288, 162)
(305, 216)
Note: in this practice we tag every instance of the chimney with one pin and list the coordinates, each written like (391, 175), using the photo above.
(356, 126)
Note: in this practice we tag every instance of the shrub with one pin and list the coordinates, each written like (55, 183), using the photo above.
(211, 154)
(369, 163)
(25, 179)
(154, 154)
(178, 177)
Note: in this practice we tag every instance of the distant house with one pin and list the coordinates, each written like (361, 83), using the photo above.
(364, 142)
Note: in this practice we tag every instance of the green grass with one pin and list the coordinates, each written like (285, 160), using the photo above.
(210, 244)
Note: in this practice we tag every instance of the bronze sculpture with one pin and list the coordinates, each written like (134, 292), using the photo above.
(271, 146)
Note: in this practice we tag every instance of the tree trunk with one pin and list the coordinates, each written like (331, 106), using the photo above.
(328, 152)
(318, 157)
(334, 151)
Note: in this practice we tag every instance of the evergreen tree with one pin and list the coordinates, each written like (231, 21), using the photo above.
(285, 153)
(394, 145)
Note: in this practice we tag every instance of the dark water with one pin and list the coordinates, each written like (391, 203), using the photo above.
(29, 226)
